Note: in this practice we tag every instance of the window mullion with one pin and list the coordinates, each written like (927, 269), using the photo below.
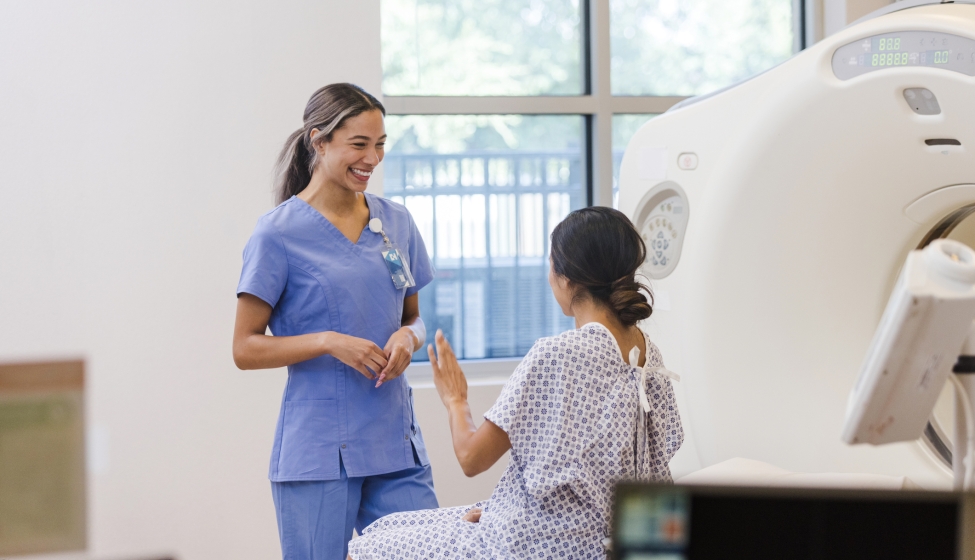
(461, 105)
(602, 117)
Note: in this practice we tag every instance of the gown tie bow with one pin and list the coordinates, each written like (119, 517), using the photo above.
(635, 362)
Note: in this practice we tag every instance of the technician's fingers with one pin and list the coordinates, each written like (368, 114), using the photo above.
(374, 359)
(399, 359)
(375, 365)
(376, 354)
(365, 372)
(394, 358)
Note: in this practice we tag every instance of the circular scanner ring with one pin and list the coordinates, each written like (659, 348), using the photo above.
(934, 435)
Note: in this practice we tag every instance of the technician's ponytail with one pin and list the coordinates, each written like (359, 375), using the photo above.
(292, 171)
(327, 111)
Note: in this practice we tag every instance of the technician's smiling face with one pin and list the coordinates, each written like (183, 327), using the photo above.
(355, 150)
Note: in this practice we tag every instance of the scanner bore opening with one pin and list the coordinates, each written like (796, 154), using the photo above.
(935, 436)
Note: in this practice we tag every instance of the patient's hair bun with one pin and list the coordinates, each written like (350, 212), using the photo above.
(599, 249)
(629, 302)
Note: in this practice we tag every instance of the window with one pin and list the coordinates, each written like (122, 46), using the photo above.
(505, 115)
(486, 192)
(482, 47)
(692, 47)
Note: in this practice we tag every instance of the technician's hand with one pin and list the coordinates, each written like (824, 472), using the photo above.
(447, 375)
(399, 354)
(473, 515)
(358, 353)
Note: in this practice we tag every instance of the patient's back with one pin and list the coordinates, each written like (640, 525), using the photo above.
(572, 413)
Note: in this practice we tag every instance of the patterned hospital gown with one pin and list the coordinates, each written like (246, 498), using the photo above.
(573, 415)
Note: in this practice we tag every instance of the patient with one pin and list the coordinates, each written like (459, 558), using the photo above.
(575, 414)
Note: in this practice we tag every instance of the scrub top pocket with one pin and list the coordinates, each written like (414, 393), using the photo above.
(308, 440)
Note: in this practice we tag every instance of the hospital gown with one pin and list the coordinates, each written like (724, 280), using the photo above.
(573, 414)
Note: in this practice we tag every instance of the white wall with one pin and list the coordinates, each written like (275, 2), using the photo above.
(825, 17)
(136, 142)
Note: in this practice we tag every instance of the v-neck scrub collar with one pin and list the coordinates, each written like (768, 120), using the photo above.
(375, 211)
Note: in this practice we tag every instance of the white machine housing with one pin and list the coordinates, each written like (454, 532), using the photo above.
(919, 339)
(802, 194)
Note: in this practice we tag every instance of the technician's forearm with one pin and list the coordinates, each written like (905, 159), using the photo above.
(260, 351)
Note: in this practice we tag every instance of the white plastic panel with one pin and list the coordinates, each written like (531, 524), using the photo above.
(798, 234)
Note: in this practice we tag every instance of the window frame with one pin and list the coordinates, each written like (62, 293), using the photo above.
(596, 105)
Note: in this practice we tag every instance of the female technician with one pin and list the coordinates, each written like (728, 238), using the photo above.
(334, 272)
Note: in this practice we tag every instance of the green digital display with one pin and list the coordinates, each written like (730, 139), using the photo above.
(887, 52)
(908, 48)
(889, 59)
(903, 58)
(889, 44)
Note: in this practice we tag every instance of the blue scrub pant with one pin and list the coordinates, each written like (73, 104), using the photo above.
(316, 518)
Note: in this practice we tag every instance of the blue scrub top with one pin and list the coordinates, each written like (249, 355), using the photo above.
(316, 280)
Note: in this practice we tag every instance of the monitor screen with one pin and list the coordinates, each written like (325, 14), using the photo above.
(658, 522)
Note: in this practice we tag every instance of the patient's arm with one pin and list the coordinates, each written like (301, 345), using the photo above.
(476, 448)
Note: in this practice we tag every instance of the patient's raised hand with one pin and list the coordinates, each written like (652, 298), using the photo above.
(447, 375)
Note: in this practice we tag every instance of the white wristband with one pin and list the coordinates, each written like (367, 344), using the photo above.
(420, 331)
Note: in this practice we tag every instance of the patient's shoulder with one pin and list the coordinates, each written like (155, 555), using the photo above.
(654, 357)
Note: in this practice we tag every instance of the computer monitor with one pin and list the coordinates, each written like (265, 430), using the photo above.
(673, 522)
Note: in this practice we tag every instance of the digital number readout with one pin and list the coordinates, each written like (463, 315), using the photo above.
(908, 48)
(889, 59)
(903, 58)
(884, 54)
(891, 44)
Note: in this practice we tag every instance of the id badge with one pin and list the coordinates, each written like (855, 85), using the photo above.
(398, 269)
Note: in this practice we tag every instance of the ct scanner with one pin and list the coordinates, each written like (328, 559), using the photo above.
(778, 214)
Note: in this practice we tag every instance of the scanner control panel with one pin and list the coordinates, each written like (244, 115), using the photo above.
(661, 219)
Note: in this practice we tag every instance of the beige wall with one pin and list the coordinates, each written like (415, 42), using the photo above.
(837, 14)
(453, 487)
(136, 142)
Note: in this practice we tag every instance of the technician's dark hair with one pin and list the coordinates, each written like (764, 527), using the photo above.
(599, 249)
(327, 110)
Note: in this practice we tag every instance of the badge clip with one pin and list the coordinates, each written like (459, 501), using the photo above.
(399, 270)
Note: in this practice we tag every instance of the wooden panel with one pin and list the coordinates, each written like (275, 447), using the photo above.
(42, 377)
(42, 458)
